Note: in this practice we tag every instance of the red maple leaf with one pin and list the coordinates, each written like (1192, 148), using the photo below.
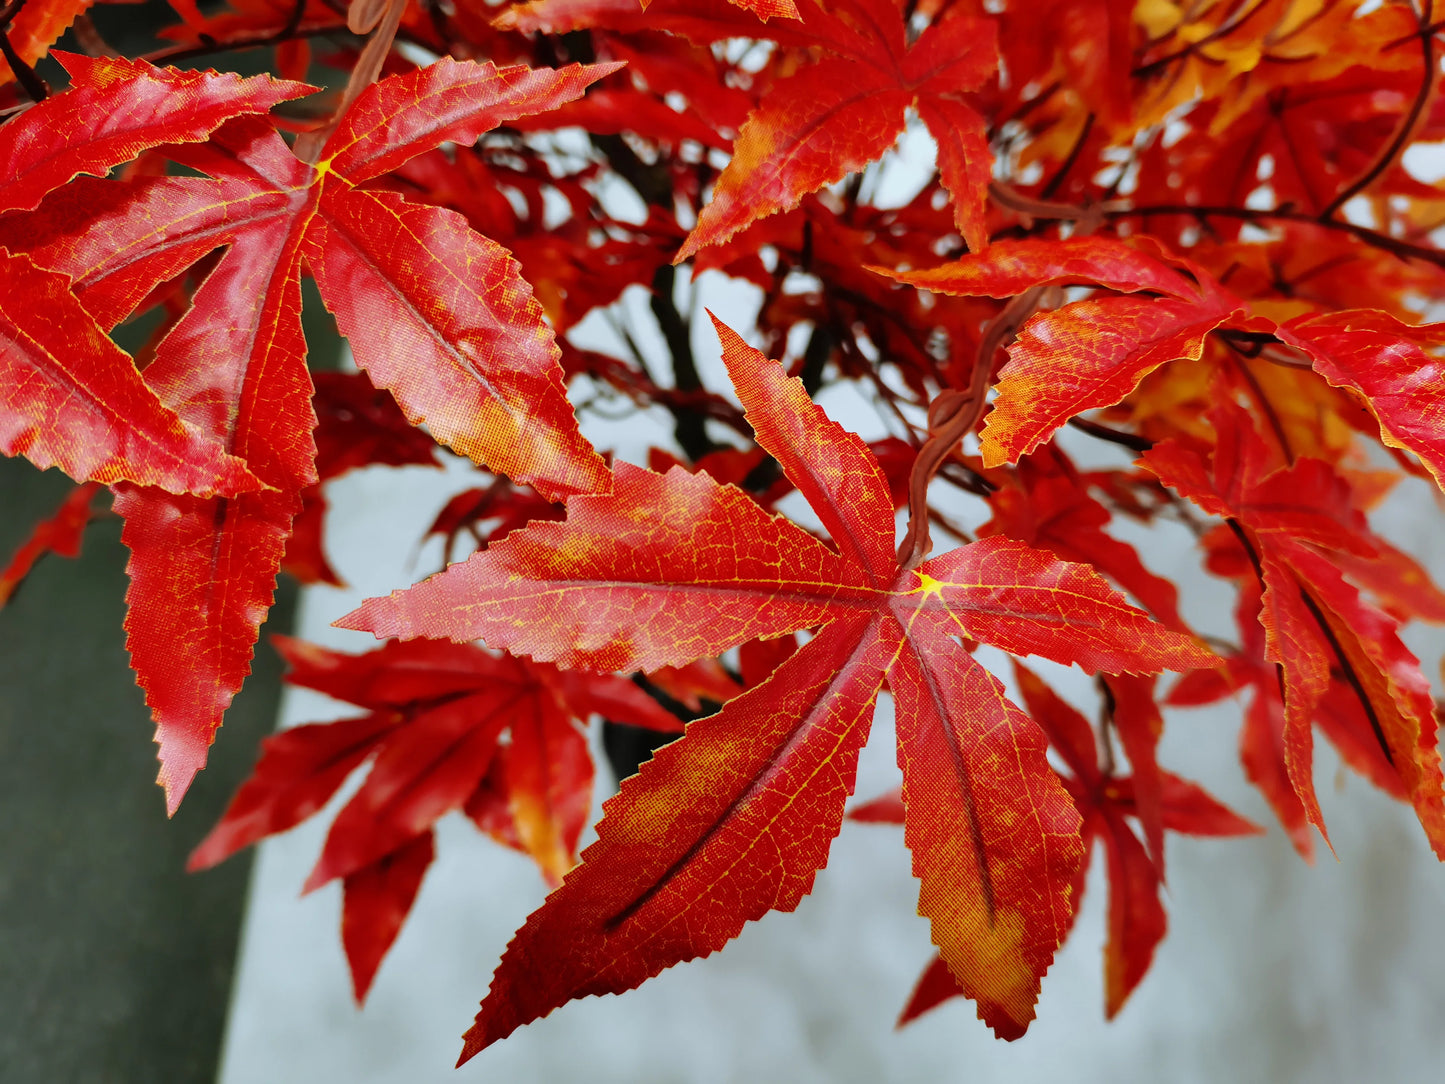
(1107, 802)
(469, 356)
(1289, 520)
(735, 820)
(442, 719)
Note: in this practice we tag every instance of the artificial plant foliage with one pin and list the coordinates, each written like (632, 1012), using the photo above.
(1169, 264)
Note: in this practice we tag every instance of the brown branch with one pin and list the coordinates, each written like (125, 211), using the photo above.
(1407, 126)
(1383, 241)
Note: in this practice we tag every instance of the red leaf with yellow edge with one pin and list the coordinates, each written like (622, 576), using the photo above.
(667, 568)
(1028, 602)
(814, 128)
(994, 836)
(447, 102)
(1390, 365)
(1092, 354)
(480, 369)
(374, 904)
(965, 163)
(60, 534)
(470, 353)
(70, 398)
(1009, 268)
(129, 106)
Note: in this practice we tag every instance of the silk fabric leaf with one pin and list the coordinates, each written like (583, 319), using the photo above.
(715, 831)
(70, 398)
(129, 106)
(374, 904)
(1009, 268)
(994, 835)
(812, 129)
(1090, 354)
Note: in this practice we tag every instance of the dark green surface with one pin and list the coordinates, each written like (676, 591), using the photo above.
(115, 964)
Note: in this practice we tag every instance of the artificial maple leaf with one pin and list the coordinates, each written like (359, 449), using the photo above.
(836, 116)
(73, 399)
(60, 534)
(1287, 520)
(1050, 507)
(735, 820)
(1136, 919)
(1092, 353)
(36, 27)
(1389, 365)
(436, 715)
(470, 356)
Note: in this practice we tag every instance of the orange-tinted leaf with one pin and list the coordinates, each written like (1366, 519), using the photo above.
(1388, 363)
(549, 785)
(1091, 354)
(39, 25)
(1011, 267)
(965, 163)
(814, 128)
(60, 534)
(375, 902)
